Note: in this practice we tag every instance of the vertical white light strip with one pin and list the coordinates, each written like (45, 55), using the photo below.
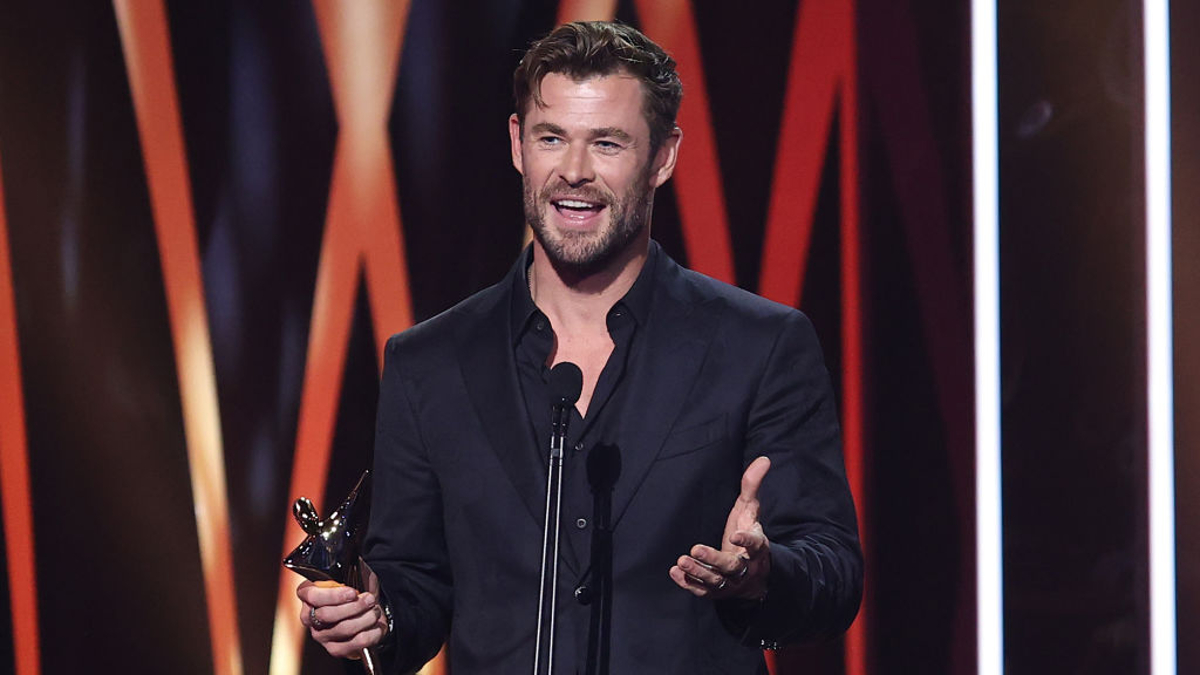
(1159, 370)
(988, 543)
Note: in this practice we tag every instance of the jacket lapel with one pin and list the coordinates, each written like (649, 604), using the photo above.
(676, 341)
(490, 374)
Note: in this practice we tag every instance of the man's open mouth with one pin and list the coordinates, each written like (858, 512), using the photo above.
(576, 206)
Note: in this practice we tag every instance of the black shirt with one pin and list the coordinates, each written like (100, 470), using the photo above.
(533, 341)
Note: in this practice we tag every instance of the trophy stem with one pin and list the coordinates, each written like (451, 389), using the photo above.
(368, 661)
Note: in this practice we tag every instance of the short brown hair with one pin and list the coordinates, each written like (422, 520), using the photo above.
(584, 49)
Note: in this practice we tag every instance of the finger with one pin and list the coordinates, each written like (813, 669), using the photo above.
(320, 596)
(346, 628)
(753, 540)
(351, 648)
(752, 478)
(698, 571)
(707, 575)
(687, 583)
(329, 615)
(724, 562)
(305, 615)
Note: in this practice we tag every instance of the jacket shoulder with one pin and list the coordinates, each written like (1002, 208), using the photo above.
(435, 338)
(737, 304)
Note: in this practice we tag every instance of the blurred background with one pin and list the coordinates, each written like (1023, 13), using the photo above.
(213, 214)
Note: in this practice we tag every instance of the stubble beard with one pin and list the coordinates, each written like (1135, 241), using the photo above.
(584, 253)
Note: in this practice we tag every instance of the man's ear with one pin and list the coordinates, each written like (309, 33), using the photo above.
(514, 137)
(664, 160)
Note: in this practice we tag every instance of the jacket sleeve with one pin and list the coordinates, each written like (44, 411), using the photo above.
(405, 543)
(815, 583)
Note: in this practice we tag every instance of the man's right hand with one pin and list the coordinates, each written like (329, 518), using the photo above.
(342, 620)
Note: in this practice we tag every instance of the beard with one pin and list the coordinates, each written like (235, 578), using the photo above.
(584, 253)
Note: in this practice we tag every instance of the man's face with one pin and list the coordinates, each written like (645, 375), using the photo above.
(588, 175)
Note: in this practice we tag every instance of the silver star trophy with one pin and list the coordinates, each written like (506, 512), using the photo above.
(331, 551)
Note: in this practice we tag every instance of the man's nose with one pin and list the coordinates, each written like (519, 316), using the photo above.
(576, 168)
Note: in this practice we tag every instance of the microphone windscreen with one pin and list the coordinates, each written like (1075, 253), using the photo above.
(566, 383)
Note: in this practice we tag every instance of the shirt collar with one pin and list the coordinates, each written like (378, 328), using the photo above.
(523, 308)
(636, 299)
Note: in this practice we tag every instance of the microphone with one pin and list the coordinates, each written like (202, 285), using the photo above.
(566, 384)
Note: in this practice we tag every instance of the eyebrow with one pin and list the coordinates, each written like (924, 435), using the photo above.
(547, 128)
(602, 132)
(611, 132)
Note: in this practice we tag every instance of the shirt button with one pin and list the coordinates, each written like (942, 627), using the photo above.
(579, 446)
(583, 595)
(581, 523)
(540, 325)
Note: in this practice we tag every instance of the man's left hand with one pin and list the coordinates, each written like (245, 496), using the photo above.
(741, 568)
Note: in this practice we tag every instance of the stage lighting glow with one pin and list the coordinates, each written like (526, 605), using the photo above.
(988, 515)
(1159, 366)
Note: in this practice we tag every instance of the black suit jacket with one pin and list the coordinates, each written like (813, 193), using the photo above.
(459, 493)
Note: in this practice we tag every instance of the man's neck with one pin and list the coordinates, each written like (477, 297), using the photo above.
(579, 305)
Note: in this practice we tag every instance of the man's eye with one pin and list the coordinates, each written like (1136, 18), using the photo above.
(608, 146)
(549, 140)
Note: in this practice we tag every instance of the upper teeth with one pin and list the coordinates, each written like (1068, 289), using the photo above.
(573, 204)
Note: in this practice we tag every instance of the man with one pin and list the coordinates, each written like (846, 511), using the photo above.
(680, 553)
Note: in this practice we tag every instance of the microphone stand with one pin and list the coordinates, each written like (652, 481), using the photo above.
(558, 426)
(603, 469)
(566, 382)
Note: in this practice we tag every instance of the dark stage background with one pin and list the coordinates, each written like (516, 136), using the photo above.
(213, 213)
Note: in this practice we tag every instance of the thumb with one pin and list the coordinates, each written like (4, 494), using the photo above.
(752, 478)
